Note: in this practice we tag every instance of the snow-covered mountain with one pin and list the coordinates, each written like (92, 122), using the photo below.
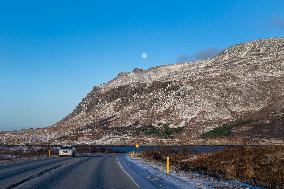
(242, 87)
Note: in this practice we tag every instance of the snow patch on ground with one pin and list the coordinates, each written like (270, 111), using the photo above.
(187, 180)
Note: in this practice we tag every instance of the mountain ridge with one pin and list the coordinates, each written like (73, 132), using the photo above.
(178, 103)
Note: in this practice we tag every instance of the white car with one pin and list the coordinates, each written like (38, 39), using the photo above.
(66, 151)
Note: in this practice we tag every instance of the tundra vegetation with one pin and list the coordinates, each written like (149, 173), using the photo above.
(22, 152)
(224, 130)
(256, 165)
(161, 132)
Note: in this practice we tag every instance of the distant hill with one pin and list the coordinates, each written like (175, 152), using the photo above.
(235, 97)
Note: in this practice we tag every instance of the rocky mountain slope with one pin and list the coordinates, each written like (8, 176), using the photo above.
(240, 92)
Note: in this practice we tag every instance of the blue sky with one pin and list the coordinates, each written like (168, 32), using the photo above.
(52, 53)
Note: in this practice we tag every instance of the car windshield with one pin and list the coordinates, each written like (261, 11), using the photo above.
(66, 147)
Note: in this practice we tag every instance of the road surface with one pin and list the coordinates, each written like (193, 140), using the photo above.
(85, 171)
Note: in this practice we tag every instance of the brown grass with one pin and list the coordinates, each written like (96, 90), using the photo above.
(256, 165)
(19, 152)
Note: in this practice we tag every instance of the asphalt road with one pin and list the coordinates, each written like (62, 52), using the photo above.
(103, 171)
(86, 171)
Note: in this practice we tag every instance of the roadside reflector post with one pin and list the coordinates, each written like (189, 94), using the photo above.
(168, 165)
(49, 153)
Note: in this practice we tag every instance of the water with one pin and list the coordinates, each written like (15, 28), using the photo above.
(127, 149)
(194, 148)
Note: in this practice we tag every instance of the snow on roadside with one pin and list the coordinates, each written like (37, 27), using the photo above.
(188, 179)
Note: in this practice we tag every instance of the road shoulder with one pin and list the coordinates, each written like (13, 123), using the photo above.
(150, 175)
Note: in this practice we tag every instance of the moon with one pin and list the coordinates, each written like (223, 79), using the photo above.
(144, 55)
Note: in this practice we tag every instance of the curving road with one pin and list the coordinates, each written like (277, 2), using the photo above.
(102, 171)
(89, 171)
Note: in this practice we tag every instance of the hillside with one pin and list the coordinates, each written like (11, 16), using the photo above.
(235, 97)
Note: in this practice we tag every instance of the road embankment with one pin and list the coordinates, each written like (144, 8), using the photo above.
(256, 165)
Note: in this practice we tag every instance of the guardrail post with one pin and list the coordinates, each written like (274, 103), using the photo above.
(168, 165)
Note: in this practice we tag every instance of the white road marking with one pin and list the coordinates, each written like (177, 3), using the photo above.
(127, 173)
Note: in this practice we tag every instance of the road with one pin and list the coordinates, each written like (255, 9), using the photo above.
(84, 171)
(89, 171)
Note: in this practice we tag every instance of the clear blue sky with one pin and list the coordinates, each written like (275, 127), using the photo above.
(53, 52)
